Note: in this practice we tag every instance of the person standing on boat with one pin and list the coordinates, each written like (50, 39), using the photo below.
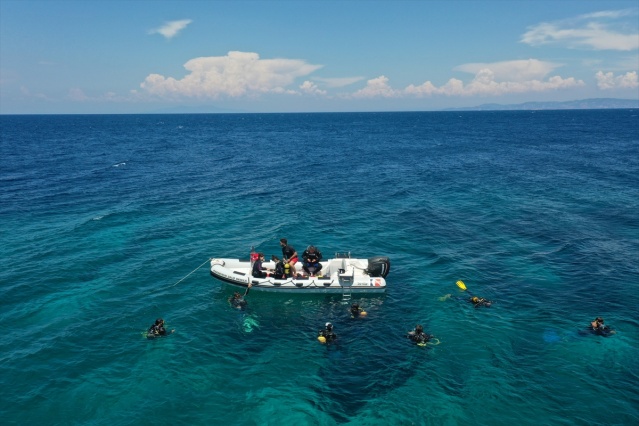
(289, 255)
(258, 270)
(312, 257)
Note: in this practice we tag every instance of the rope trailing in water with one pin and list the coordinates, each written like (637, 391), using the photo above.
(187, 275)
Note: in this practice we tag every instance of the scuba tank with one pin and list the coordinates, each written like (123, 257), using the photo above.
(287, 269)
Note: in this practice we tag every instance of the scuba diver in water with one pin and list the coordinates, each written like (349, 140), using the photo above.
(356, 311)
(480, 301)
(157, 329)
(476, 301)
(418, 336)
(598, 327)
(327, 334)
(237, 300)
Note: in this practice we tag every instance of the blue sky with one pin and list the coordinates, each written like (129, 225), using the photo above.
(142, 56)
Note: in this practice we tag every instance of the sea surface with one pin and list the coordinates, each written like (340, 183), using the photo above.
(107, 222)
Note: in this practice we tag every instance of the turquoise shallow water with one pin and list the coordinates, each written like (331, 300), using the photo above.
(102, 216)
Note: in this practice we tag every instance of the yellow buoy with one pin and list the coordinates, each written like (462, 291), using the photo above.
(322, 339)
(363, 314)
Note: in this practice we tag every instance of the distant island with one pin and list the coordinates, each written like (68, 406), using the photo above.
(598, 103)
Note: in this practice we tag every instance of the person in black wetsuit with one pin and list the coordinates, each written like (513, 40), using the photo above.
(258, 270)
(289, 256)
(312, 257)
(480, 301)
(418, 336)
(237, 300)
(279, 272)
(157, 329)
(476, 301)
(598, 327)
(356, 310)
(328, 333)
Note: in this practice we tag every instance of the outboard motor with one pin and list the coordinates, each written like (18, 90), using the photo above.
(378, 266)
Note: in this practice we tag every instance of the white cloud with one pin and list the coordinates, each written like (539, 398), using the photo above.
(490, 79)
(425, 89)
(77, 95)
(612, 14)
(311, 88)
(338, 82)
(484, 83)
(377, 87)
(235, 75)
(608, 80)
(606, 30)
(520, 70)
(172, 28)
(28, 94)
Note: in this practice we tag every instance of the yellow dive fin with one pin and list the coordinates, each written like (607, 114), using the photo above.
(461, 284)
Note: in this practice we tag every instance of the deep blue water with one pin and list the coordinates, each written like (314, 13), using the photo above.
(102, 216)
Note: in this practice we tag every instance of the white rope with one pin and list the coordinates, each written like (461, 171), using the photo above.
(206, 261)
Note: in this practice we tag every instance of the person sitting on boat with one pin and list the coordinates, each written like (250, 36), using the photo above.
(356, 311)
(289, 255)
(157, 329)
(418, 336)
(312, 257)
(598, 327)
(480, 301)
(279, 273)
(258, 270)
(327, 333)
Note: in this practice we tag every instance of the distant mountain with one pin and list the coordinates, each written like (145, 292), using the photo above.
(598, 103)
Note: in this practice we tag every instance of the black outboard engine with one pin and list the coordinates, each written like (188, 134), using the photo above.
(378, 266)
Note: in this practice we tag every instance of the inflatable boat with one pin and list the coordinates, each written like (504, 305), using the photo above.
(341, 274)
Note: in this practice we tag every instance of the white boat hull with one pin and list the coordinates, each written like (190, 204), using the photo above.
(340, 275)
